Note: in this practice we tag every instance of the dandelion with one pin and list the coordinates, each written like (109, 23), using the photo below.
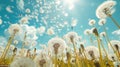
(87, 32)
(27, 10)
(94, 31)
(92, 52)
(43, 60)
(92, 22)
(57, 44)
(102, 22)
(23, 62)
(102, 34)
(116, 45)
(14, 29)
(71, 37)
(106, 10)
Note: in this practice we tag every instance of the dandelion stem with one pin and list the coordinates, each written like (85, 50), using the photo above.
(7, 48)
(115, 22)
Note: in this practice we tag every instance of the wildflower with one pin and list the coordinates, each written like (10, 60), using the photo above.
(116, 44)
(92, 22)
(14, 28)
(71, 37)
(105, 9)
(43, 60)
(87, 32)
(27, 10)
(91, 52)
(102, 22)
(57, 45)
(94, 31)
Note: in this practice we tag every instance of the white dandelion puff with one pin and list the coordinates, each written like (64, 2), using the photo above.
(92, 52)
(116, 44)
(24, 20)
(43, 60)
(105, 9)
(87, 32)
(102, 34)
(92, 22)
(102, 22)
(71, 37)
(14, 28)
(27, 10)
(57, 45)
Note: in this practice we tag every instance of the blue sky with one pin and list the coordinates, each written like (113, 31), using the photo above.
(82, 11)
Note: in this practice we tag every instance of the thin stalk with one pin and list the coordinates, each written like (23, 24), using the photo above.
(7, 48)
(77, 58)
(107, 39)
(115, 22)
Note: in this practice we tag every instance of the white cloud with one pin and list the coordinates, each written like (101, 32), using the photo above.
(116, 32)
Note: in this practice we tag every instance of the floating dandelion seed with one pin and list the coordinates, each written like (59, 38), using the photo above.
(0, 21)
(92, 22)
(50, 31)
(102, 22)
(24, 20)
(27, 10)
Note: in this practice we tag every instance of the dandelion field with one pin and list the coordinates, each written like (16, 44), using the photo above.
(59, 33)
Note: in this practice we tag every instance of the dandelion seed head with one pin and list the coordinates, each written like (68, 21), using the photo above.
(14, 28)
(91, 50)
(105, 9)
(87, 32)
(102, 22)
(92, 22)
(102, 34)
(71, 37)
(57, 43)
